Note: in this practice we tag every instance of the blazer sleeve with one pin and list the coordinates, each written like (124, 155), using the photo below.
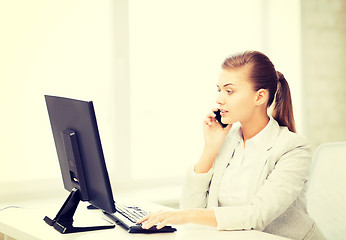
(280, 189)
(195, 189)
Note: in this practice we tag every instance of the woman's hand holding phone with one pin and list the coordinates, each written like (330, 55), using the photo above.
(214, 137)
(215, 131)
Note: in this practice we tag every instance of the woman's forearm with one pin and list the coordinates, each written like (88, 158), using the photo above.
(202, 216)
(206, 161)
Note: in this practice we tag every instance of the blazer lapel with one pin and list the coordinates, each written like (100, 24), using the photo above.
(261, 162)
(219, 169)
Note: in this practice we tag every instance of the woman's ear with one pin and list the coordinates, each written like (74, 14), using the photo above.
(262, 96)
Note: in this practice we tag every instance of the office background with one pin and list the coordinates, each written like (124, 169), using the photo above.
(151, 69)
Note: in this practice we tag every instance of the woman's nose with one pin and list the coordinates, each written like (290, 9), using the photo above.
(220, 99)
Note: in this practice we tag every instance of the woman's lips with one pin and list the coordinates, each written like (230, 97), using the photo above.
(223, 112)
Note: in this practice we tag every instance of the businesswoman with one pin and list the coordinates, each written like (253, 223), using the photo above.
(253, 173)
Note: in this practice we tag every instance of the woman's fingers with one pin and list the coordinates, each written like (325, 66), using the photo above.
(215, 109)
(162, 224)
(145, 218)
(210, 118)
(151, 221)
(161, 219)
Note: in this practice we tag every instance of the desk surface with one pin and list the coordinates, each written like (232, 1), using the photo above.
(27, 223)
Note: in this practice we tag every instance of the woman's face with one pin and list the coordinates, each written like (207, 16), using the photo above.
(236, 96)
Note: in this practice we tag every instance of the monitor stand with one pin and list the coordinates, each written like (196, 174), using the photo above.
(64, 219)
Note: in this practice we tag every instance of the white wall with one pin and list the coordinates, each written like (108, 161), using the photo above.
(56, 47)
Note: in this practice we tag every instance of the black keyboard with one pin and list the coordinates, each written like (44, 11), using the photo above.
(128, 216)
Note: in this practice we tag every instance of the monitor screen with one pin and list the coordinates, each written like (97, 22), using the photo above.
(79, 150)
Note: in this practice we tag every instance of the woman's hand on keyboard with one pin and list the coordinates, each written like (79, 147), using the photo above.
(163, 218)
(178, 217)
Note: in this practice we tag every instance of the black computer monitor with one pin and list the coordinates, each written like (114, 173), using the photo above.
(81, 160)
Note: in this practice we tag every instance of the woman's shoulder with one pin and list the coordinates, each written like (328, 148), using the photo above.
(286, 135)
(288, 141)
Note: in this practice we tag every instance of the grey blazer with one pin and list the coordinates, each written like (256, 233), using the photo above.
(277, 190)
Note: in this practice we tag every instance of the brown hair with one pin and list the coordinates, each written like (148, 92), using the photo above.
(264, 76)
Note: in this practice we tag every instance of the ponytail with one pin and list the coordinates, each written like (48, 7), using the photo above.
(283, 110)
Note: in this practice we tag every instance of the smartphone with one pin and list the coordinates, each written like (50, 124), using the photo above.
(218, 118)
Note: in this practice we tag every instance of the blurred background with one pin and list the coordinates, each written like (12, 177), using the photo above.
(151, 69)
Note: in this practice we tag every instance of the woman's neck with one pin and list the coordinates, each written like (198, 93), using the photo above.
(252, 127)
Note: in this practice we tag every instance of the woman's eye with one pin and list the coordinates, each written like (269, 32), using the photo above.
(227, 91)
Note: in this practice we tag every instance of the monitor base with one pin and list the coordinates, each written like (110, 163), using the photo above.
(63, 222)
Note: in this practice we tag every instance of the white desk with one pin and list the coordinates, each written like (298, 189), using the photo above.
(27, 224)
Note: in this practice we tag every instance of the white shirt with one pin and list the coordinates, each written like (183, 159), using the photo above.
(235, 182)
